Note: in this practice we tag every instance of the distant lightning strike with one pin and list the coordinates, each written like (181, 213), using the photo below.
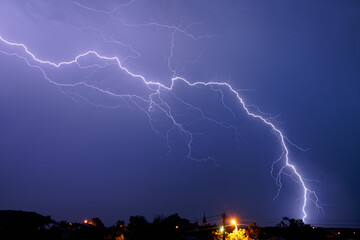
(155, 100)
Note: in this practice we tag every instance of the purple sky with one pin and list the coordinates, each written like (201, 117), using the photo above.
(88, 139)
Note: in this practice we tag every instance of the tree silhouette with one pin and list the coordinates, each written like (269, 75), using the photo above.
(139, 228)
(97, 222)
(171, 228)
(296, 229)
(254, 232)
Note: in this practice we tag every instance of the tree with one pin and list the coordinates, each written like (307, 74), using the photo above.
(117, 231)
(254, 232)
(237, 234)
(218, 235)
(296, 229)
(97, 222)
(21, 224)
(172, 227)
(139, 228)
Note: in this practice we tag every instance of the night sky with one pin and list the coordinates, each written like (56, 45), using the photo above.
(87, 139)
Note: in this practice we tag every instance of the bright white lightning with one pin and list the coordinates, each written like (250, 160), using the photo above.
(155, 100)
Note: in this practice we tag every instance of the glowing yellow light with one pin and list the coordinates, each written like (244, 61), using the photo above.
(233, 221)
(85, 221)
(176, 227)
(313, 227)
(222, 229)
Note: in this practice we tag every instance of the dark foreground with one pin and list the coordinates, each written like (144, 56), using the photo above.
(33, 226)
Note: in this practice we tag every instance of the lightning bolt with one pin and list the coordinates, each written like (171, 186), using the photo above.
(155, 102)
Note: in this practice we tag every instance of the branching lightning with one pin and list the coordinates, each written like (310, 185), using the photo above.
(154, 101)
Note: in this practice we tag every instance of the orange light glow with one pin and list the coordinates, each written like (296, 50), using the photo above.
(176, 227)
(233, 221)
(85, 221)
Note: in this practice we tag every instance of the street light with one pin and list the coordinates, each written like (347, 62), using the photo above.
(234, 223)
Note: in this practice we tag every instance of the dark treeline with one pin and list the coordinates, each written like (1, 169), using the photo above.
(33, 226)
